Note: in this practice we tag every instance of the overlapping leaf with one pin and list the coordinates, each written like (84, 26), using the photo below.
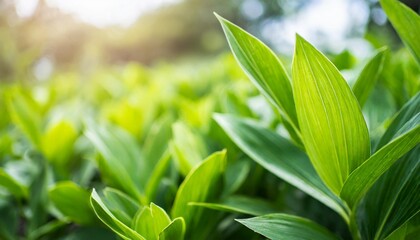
(332, 126)
(280, 157)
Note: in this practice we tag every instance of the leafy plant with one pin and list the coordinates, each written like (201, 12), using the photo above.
(326, 116)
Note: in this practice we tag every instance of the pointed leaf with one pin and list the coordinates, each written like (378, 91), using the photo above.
(369, 76)
(13, 186)
(241, 204)
(122, 206)
(263, 68)
(151, 221)
(333, 129)
(105, 215)
(174, 231)
(406, 22)
(280, 157)
(201, 184)
(366, 175)
(287, 227)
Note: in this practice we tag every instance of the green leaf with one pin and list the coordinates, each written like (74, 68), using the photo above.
(280, 157)
(393, 200)
(202, 184)
(333, 129)
(263, 68)
(121, 163)
(157, 175)
(287, 227)
(106, 216)
(369, 76)
(241, 204)
(187, 147)
(11, 185)
(366, 175)
(235, 175)
(407, 112)
(150, 221)
(406, 22)
(57, 142)
(73, 202)
(174, 231)
(121, 205)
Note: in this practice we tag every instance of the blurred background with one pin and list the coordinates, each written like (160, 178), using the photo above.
(40, 37)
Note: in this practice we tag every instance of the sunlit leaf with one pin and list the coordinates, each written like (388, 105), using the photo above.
(202, 184)
(368, 77)
(150, 221)
(174, 231)
(287, 227)
(105, 215)
(406, 22)
(333, 129)
(263, 68)
(123, 207)
(280, 157)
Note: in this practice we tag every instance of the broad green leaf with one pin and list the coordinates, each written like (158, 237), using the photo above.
(280, 157)
(366, 175)
(333, 129)
(106, 216)
(121, 205)
(73, 202)
(287, 227)
(241, 204)
(174, 231)
(57, 142)
(121, 163)
(393, 200)
(406, 22)
(188, 148)
(263, 68)
(150, 221)
(12, 186)
(202, 184)
(369, 76)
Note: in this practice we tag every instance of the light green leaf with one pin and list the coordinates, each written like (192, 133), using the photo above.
(187, 147)
(73, 202)
(123, 207)
(202, 184)
(263, 68)
(287, 227)
(280, 157)
(333, 129)
(57, 141)
(157, 175)
(151, 221)
(406, 22)
(11, 185)
(369, 76)
(241, 204)
(121, 163)
(174, 231)
(366, 175)
(105, 215)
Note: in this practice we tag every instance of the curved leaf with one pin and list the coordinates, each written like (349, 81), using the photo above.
(280, 157)
(333, 129)
(174, 231)
(287, 227)
(406, 22)
(151, 221)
